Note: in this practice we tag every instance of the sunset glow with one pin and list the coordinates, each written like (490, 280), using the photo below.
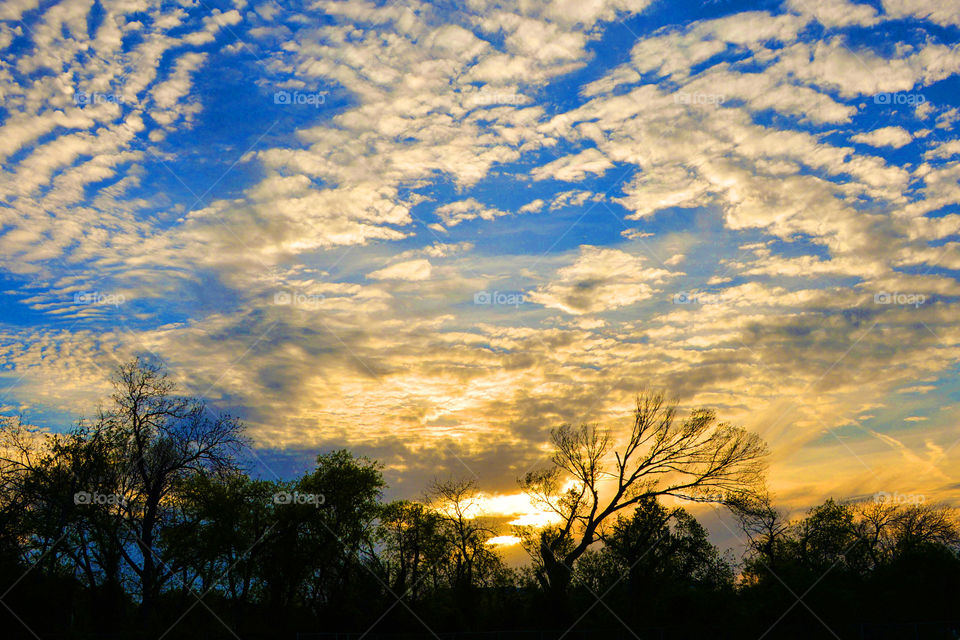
(432, 233)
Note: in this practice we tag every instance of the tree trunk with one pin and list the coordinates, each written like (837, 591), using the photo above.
(558, 583)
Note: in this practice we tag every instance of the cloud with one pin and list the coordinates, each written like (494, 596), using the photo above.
(895, 137)
(600, 280)
(574, 168)
(410, 270)
(836, 13)
(944, 150)
(454, 213)
(532, 207)
(304, 293)
(944, 13)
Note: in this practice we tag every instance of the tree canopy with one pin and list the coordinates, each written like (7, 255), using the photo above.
(143, 522)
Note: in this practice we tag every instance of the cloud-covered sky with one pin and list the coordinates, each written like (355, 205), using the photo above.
(432, 231)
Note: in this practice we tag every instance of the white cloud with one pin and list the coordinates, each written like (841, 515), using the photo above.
(600, 280)
(413, 270)
(836, 13)
(418, 359)
(454, 213)
(946, 149)
(895, 137)
(945, 12)
(574, 168)
(532, 206)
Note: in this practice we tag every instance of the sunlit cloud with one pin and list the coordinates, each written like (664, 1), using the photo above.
(433, 233)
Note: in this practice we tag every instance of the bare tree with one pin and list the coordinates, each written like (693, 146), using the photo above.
(457, 503)
(876, 524)
(593, 477)
(162, 439)
(888, 526)
(764, 524)
(928, 524)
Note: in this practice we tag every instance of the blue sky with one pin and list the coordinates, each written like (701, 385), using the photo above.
(432, 231)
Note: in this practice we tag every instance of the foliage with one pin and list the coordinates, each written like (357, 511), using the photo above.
(142, 521)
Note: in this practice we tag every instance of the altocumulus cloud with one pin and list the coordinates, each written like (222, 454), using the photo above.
(757, 209)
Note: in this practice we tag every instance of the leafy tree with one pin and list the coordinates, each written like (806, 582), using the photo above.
(858, 560)
(221, 530)
(655, 557)
(322, 549)
(102, 493)
(415, 549)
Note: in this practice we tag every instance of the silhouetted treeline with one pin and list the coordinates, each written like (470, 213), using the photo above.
(140, 522)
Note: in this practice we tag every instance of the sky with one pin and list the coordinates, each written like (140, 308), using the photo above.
(430, 232)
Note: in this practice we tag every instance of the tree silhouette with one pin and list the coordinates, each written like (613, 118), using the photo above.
(594, 477)
(155, 475)
(160, 439)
